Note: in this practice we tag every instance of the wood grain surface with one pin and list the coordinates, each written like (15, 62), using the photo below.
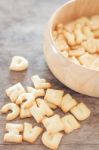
(22, 25)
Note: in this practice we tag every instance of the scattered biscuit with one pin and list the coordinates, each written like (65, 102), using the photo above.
(31, 134)
(70, 123)
(53, 124)
(24, 112)
(18, 63)
(13, 133)
(14, 91)
(54, 96)
(67, 103)
(36, 92)
(14, 111)
(52, 106)
(28, 97)
(40, 109)
(81, 111)
(40, 83)
(43, 104)
(51, 140)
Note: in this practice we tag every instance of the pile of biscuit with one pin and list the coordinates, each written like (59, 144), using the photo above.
(79, 41)
(39, 102)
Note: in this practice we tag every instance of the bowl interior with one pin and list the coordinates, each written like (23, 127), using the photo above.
(73, 10)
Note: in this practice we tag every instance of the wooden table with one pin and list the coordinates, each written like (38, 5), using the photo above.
(22, 24)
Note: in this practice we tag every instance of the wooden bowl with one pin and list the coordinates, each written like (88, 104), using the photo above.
(76, 77)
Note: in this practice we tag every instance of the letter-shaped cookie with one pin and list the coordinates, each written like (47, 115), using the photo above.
(40, 109)
(14, 91)
(87, 31)
(61, 43)
(36, 92)
(54, 96)
(67, 103)
(28, 97)
(14, 110)
(79, 36)
(40, 83)
(94, 22)
(24, 112)
(70, 123)
(52, 106)
(70, 37)
(53, 124)
(51, 140)
(83, 21)
(77, 52)
(81, 111)
(87, 59)
(31, 134)
(18, 63)
(90, 45)
(13, 133)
